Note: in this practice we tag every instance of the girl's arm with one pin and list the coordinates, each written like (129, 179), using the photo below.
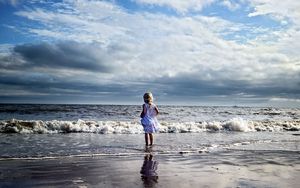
(156, 109)
(143, 111)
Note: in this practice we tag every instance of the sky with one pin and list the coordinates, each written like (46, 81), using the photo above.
(186, 52)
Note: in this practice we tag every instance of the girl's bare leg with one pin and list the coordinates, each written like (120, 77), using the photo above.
(151, 139)
(146, 139)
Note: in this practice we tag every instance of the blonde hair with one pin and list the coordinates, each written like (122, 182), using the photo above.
(148, 97)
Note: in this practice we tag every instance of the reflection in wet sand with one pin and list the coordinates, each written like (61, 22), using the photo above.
(148, 171)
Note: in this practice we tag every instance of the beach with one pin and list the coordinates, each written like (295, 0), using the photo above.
(103, 146)
(85, 84)
(175, 171)
(172, 164)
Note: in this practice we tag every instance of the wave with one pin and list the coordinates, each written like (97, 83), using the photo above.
(134, 127)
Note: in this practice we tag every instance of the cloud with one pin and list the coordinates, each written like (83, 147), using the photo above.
(196, 85)
(65, 55)
(179, 5)
(81, 20)
(19, 2)
(114, 52)
(279, 10)
(11, 2)
(231, 5)
(61, 84)
(68, 55)
(285, 100)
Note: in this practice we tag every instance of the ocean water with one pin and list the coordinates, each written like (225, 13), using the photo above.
(122, 119)
(34, 131)
(103, 146)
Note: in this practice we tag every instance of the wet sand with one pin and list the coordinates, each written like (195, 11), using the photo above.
(228, 168)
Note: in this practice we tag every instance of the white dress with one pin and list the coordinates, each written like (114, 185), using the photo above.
(149, 120)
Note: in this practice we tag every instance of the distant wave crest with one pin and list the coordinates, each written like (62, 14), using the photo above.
(134, 127)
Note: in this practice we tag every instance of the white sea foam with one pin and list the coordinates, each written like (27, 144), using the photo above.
(134, 127)
(238, 124)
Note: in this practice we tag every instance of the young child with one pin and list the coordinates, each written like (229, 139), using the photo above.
(148, 115)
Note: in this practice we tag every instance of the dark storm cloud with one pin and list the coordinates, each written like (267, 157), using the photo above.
(30, 70)
(183, 87)
(66, 55)
(25, 76)
(193, 85)
(48, 84)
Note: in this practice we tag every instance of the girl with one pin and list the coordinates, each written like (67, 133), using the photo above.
(148, 116)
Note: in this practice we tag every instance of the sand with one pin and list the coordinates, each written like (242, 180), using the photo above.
(229, 168)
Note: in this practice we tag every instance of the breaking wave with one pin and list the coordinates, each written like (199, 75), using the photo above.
(134, 127)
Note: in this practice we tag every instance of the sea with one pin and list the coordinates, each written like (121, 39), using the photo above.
(45, 130)
(213, 136)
